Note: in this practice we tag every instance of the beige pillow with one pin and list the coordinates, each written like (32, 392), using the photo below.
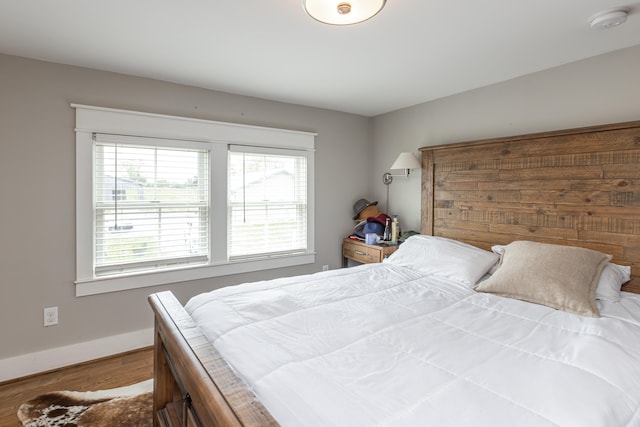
(561, 277)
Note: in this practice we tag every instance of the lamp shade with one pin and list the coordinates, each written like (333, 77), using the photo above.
(406, 161)
(338, 12)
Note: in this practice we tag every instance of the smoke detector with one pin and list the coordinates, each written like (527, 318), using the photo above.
(608, 19)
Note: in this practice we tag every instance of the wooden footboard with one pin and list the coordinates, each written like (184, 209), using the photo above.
(194, 386)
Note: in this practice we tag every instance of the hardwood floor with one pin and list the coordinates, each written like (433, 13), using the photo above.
(116, 371)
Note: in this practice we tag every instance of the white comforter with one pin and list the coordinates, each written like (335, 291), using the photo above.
(382, 345)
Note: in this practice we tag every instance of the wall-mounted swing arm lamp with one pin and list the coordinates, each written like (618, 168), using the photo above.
(405, 161)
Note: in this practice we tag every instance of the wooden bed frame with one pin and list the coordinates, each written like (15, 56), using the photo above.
(572, 187)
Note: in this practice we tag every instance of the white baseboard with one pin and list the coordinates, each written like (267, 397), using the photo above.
(54, 358)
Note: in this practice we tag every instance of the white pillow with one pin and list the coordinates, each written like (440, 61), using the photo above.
(612, 278)
(444, 257)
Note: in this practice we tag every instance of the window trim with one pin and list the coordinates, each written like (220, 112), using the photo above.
(220, 135)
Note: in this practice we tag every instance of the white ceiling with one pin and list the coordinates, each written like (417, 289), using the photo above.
(413, 51)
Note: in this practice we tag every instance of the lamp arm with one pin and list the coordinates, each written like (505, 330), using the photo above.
(387, 178)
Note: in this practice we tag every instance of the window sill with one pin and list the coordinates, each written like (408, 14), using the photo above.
(142, 280)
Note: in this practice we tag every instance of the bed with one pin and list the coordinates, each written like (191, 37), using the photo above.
(408, 342)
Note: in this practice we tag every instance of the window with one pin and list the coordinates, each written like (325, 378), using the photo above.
(151, 204)
(267, 202)
(164, 199)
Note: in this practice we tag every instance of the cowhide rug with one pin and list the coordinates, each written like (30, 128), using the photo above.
(129, 406)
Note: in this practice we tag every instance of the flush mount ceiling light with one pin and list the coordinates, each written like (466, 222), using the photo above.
(608, 19)
(338, 12)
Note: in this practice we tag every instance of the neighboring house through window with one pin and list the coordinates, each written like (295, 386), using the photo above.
(162, 199)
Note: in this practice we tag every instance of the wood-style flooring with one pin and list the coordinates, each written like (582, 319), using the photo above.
(115, 371)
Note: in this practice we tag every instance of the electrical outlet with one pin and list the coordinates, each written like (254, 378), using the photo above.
(325, 268)
(50, 316)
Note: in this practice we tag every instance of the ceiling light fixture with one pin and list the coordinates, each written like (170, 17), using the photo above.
(337, 12)
(608, 19)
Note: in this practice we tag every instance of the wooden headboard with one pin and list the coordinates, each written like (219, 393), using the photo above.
(578, 187)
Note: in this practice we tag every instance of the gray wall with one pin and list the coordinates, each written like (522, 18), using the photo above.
(37, 187)
(600, 90)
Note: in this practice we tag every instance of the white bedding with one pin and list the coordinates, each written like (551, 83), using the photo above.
(384, 345)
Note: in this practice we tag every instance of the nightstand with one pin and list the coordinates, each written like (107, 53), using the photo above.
(361, 252)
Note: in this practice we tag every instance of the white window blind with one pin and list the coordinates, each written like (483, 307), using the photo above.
(151, 204)
(267, 202)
